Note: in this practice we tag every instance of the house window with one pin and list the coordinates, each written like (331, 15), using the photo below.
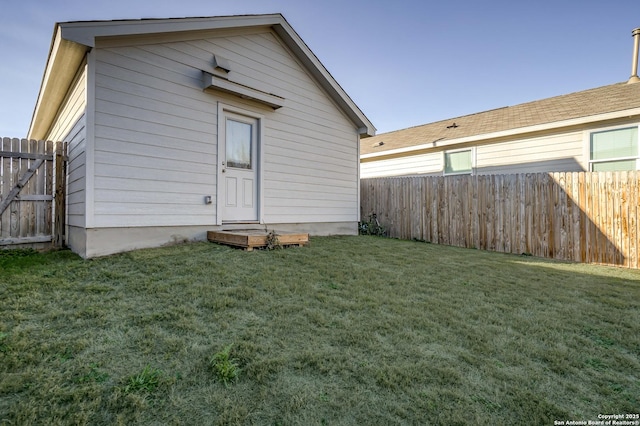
(614, 150)
(458, 162)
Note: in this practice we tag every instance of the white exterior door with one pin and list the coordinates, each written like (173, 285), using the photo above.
(238, 149)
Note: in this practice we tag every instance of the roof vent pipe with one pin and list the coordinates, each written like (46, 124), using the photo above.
(634, 66)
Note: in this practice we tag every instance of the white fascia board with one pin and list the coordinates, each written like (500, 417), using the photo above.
(86, 32)
(62, 64)
(326, 80)
(506, 133)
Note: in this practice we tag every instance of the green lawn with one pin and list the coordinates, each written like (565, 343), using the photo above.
(350, 330)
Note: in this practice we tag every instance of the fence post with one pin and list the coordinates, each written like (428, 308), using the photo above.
(60, 211)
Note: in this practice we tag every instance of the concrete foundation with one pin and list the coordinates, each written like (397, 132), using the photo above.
(95, 242)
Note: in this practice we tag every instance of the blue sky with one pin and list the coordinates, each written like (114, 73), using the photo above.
(404, 62)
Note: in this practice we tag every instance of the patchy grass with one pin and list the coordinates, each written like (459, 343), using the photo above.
(144, 382)
(351, 330)
(225, 367)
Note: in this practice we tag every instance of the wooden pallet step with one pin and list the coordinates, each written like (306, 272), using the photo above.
(249, 239)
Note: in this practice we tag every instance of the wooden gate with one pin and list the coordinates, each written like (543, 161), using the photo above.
(32, 193)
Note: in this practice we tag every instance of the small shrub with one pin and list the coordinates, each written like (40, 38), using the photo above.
(146, 381)
(272, 241)
(225, 368)
(372, 227)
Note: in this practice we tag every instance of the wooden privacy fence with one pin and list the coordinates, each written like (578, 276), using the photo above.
(584, 217)
(32, 193)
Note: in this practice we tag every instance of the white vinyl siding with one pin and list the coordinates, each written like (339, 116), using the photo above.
(156, 135)
(154, 155)
(552, 153)
(70, 126)
(409, 165)
(562, 152)
(76, 180)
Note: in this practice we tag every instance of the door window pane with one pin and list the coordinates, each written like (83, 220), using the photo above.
(238, 144)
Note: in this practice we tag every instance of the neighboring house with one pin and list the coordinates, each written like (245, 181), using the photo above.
(180, 126)
(593, 130)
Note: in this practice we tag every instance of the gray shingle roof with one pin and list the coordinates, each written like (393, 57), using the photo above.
(616, 97)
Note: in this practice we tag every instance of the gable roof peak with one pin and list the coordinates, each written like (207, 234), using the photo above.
(72, 40)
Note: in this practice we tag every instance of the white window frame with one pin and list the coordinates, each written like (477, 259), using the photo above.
(587, 145)
(471, 150)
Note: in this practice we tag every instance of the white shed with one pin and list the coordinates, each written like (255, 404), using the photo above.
(181, 126)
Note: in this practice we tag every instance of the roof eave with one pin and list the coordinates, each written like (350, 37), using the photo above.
(86, 32)
(326, 80)
(522, 132)
(62, 65)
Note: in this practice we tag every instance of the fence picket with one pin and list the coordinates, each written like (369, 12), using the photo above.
(48, 190)
(587, 217)
(5, 187)
(14, 208)
(624, 216)
(634, 211)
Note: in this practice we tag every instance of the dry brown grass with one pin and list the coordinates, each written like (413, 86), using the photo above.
(351, 330)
